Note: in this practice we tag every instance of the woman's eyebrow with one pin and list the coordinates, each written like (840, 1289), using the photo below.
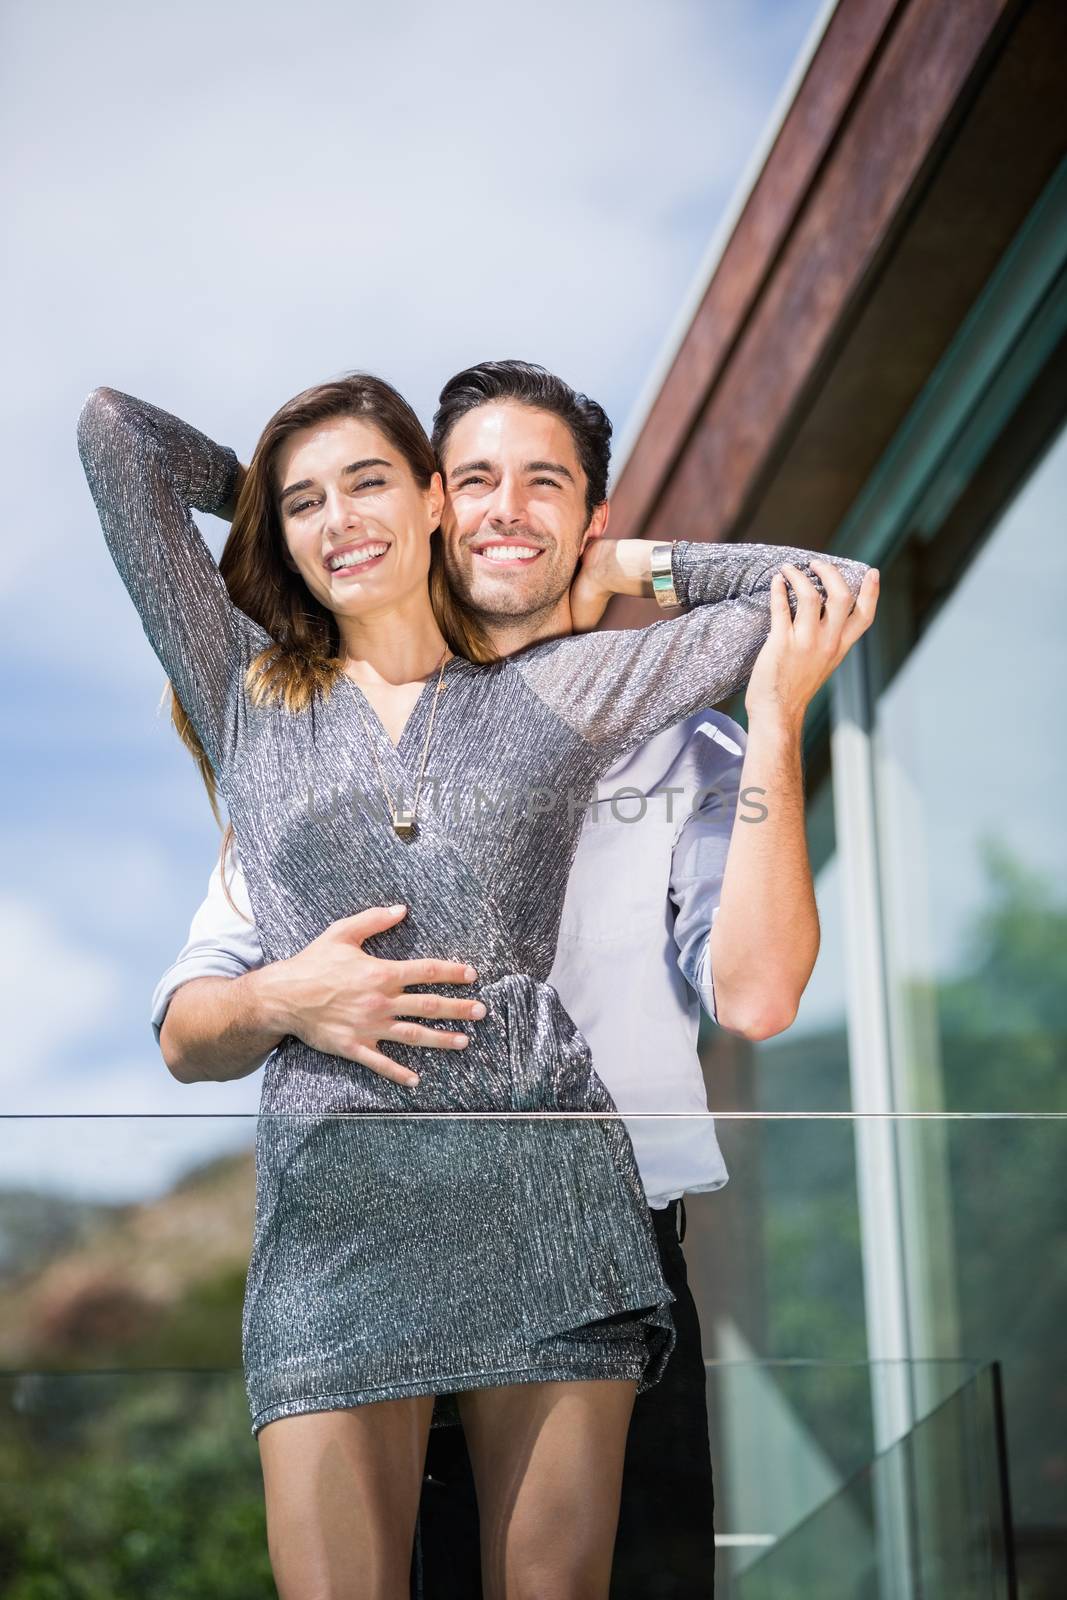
(355, 466)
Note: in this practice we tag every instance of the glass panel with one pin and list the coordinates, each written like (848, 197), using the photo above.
(121, 1300)
(971, 762)
(123, 1485)
(972, 768)
(792, 1433)
(1005, 1295)
(924, 1518)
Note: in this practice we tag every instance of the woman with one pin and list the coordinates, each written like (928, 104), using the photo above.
(400, 1258)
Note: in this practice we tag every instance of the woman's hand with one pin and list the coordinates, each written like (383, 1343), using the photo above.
(226, 512)
(802, 651)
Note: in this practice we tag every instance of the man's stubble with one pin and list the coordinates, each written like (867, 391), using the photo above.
(528, 597)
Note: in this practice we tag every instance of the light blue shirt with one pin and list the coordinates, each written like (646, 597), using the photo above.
(632, 961)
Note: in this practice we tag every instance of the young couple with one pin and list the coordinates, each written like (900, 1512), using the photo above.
(407, 626)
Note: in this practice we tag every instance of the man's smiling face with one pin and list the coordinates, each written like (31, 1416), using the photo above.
(515, 519)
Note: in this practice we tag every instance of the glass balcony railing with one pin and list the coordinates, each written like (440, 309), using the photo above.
(885, 1390)
(929, 1516)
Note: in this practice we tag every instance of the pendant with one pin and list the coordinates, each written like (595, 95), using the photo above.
(403, 822)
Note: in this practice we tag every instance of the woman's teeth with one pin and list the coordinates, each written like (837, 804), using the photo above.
(356, 558)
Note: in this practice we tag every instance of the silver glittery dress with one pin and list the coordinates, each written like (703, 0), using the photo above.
(397, 1255)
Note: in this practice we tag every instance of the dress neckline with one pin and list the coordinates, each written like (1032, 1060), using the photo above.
(422, 699)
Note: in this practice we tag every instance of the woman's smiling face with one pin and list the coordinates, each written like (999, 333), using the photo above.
(356, 524)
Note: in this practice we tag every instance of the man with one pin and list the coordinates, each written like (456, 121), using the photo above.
(664, 890)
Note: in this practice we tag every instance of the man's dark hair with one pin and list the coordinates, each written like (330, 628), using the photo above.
(531, 385)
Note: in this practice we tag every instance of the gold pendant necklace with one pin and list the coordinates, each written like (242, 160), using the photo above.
(403, 818)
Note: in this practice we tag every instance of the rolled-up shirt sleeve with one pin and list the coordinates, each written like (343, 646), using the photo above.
(698, 860)
(222, 942)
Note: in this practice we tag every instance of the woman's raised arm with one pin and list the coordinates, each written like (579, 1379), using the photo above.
(618, 687)
(147, 470)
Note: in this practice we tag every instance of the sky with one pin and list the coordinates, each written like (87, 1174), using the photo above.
(212, 208)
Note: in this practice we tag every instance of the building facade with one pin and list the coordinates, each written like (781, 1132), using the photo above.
(876, 364)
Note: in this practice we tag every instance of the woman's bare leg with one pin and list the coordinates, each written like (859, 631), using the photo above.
(342, 1495)
(547, 1461)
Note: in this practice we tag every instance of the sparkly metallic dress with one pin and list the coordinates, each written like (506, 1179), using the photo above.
(395, 1254)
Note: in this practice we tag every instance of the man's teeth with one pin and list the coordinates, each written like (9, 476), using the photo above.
(509, 552)
(355, 558)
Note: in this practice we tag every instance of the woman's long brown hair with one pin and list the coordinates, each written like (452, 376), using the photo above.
(305, 657)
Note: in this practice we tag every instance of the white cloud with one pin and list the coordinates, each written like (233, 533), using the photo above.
(127, 883)
(52, 992)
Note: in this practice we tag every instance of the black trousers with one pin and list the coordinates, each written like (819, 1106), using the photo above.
(665, 1547)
